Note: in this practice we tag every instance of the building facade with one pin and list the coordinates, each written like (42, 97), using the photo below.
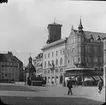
(54, 61)
(30, 71)
(104, 40)
(84, 49)
(10, 67)
(38, 64)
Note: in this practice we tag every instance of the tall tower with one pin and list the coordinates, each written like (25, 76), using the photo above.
(54, 32)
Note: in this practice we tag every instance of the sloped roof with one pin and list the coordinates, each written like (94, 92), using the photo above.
(8, 58)
(94, 34)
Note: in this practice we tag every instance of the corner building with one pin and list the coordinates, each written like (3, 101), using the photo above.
(84, 49)
(54, 61)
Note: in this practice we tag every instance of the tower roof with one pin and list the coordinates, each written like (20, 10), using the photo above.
(80, 27)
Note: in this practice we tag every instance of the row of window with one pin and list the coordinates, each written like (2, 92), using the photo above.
(52, 54)
(73, 40)
(9, 64)
(53, 71)
(88, 59)
(8, 75)
(8, 69)
(51, 63)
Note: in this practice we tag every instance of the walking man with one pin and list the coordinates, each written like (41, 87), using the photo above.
(100, 85)
(69, 85)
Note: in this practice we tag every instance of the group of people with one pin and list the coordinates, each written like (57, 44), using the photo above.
(70, 86)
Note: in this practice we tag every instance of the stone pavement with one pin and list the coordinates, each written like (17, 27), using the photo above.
(80, 91)
(58, 91)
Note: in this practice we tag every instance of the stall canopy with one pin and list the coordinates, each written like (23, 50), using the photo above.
(82, 72)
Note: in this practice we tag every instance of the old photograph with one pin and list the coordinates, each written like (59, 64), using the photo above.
(52, 52)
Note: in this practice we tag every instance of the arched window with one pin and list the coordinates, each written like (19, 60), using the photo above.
(56, 61)
(61, 61)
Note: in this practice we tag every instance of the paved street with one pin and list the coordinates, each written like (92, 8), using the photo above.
(54, 93)
(48, 101)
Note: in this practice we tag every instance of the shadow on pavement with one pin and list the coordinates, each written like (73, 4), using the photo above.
(48, 101)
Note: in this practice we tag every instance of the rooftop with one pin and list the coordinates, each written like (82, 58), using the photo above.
(9, 57)
(54, 43)
(94, 34)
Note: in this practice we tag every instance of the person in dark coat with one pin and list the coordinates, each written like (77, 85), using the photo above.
(100, 85)
(69, 85)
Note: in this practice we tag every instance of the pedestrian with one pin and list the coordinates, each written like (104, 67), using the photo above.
(69, 85)
(100, 85)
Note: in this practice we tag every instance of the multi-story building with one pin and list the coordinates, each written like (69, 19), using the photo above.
(104, 40)
(38, 64)
(10, 67)
(53, 55)
(54, 61)
(84, 49)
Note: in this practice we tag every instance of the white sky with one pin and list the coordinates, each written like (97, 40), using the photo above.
(23, 23)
